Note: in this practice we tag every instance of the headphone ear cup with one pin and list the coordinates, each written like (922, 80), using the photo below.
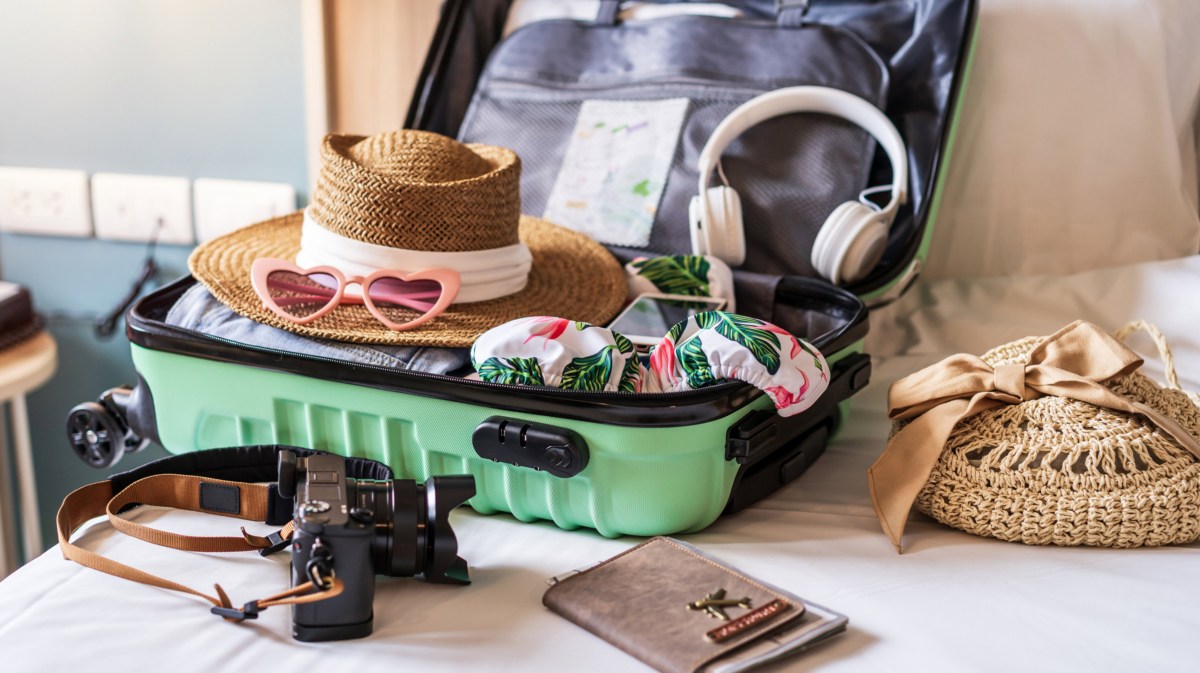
(823, 260)
(865, 250)
(725, 237)
(850, 243)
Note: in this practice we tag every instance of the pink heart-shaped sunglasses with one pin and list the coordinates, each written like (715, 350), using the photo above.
(393, 297)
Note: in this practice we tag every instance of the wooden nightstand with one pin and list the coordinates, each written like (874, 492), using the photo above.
(23, 368)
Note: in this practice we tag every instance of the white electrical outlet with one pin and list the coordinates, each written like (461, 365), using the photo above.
(133, 207)
(225, 205)
(44, 201)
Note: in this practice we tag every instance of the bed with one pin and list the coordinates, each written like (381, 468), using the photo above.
(1093, 216)
(951, 602)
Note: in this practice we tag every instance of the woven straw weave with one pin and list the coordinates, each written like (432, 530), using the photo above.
(418, 191)
(1064, 472)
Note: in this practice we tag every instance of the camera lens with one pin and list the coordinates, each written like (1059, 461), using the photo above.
(412, 527)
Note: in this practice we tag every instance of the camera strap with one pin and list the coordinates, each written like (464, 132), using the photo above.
(241, 500)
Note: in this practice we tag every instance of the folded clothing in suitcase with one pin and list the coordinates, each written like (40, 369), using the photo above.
(620, 463)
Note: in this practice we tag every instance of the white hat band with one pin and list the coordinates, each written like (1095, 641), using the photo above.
(485, 274)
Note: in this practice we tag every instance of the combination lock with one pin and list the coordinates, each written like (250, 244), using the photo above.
(559, 451)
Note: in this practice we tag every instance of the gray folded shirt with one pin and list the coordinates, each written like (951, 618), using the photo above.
(199, 311)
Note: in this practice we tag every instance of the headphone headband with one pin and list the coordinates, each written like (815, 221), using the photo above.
(817, 99)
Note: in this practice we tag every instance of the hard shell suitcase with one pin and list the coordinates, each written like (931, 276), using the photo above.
(620, 463)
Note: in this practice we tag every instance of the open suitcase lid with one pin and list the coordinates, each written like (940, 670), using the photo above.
(925, 45)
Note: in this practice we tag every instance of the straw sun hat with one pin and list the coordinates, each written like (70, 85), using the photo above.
(1053, 455)
(425, 197)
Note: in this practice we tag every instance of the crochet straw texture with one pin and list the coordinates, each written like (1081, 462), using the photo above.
(1063, 472)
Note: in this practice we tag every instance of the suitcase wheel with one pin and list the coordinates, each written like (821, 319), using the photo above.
(99, 436)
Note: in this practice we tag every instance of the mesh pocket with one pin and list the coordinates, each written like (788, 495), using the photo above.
(790, 172)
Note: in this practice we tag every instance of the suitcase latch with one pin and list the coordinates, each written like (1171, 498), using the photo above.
(756, 431)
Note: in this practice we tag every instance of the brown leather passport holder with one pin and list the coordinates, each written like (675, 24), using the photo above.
(679, 611)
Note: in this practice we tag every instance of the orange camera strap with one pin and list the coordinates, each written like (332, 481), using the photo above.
(181, 492)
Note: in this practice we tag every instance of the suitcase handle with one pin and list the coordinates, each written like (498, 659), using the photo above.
(788, 13)
(760, 432)
(774, 450)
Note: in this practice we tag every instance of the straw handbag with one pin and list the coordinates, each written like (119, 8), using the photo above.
(1119, 470)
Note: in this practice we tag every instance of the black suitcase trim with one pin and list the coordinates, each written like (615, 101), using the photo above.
(145, 328)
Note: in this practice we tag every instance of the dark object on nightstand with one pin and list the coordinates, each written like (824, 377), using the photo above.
(18, 320)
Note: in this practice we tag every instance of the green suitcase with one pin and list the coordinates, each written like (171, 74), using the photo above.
(619, 463)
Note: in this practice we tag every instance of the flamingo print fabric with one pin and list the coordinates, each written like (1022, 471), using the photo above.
(707, 348)
(546, 351)
(718, 346)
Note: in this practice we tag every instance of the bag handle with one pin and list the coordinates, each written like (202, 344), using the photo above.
(608, 12)
(1164, 353)
(788, 13)
(185, 492)
(791, 13)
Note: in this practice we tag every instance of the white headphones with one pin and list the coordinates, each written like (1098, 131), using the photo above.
(853, 237)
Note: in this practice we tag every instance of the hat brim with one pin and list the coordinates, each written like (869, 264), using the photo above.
(572, 277)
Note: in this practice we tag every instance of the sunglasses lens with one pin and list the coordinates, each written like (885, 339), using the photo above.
(301, 295)
(401, 301)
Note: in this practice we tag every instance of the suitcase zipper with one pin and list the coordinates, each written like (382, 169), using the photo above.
(707, 88)
(681, 396)
(693, 82)
(145, 328)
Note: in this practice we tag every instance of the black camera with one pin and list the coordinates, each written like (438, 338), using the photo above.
(354, 529)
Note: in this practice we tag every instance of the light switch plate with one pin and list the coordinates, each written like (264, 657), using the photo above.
(130, 207)
(225, 205)
(44, 201)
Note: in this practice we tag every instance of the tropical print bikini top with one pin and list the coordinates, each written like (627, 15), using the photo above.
(707, 348)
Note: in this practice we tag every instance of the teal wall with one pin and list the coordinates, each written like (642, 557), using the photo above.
(160, 87)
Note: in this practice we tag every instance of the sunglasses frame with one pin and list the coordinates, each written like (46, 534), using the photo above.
(263, 267)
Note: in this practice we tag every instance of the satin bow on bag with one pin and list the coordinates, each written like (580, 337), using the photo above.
(1072, 363)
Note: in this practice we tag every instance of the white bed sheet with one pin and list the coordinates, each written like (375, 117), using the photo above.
(952, 602)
